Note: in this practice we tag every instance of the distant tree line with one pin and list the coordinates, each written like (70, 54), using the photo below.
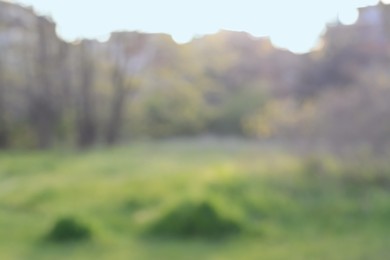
(146, 86)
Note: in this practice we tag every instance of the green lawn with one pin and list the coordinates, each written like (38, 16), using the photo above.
(286, 207)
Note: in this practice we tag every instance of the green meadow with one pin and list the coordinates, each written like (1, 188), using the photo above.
(192, 199)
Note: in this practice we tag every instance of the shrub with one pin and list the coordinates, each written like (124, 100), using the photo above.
(68, 229)
(191, 220)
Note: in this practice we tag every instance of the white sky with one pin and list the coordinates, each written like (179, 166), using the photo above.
(293, 24)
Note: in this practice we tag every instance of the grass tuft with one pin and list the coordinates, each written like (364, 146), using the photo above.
(195, 220)
(68, 229)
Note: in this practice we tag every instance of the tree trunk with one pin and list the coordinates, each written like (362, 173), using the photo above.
(42, 101)
(86, 120)
(4, 134)
(117, 108)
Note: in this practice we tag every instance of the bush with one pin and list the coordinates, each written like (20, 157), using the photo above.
(68, 229)
(192, 220)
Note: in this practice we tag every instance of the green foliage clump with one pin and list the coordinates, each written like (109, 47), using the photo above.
(67, 230)
(195, 220)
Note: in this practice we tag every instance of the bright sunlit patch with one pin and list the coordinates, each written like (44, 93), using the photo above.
(348, 16)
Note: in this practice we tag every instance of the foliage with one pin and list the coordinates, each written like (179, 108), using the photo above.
(139, 85)
(195, 220)
(67, 230)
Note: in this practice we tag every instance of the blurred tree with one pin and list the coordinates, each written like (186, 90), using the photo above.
(86, 118)
(43, 111)
(129, 58)
(121, 92)
(231, 83)
(4, 135)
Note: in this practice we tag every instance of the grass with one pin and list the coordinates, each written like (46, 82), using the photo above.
(282, 205)
(194, 220)
(68, 229)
